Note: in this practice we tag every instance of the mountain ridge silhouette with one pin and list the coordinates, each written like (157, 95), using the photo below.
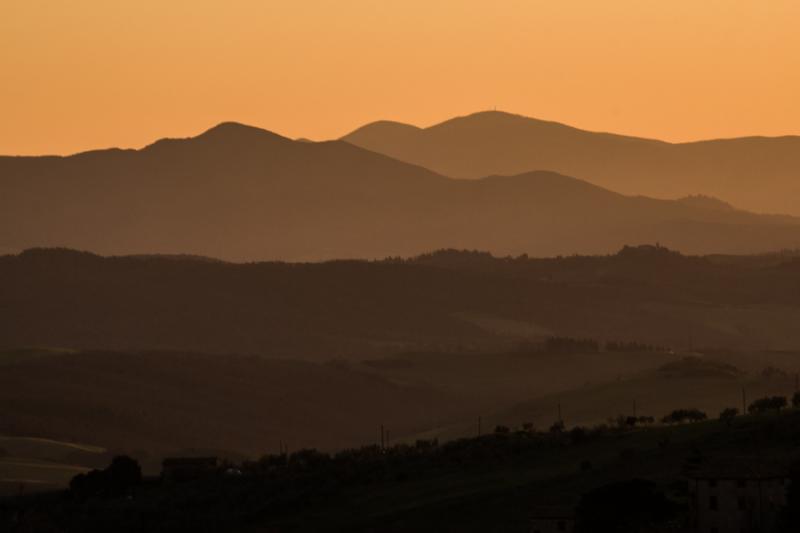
(243, 193)
(757, 173)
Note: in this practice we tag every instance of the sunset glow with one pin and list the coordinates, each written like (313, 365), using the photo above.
(93, 73)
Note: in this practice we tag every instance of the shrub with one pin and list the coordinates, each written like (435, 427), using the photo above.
(770, 403)
(678, 416)
(728, 414)
(578, 434)
(121, 475)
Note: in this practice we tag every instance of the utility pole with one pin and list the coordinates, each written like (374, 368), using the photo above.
(561, 420)
(383, 438)
(479, 426)
(634, 408)
(744, 401)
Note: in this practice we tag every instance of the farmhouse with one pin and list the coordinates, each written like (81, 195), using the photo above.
(743, 495)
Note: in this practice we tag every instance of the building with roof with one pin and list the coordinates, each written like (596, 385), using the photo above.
(740, 496)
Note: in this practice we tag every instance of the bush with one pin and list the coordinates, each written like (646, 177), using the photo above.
(770, 403)
(728, 414)
(567, 345)
(679, 416)
(578, 434)
(121, 475)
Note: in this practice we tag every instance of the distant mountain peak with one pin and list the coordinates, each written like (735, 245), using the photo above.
(225, 134)
(493, 114)
(237, 131)
(384, 128)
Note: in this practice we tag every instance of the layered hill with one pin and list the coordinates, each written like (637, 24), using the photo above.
(756, 173)
(166, 402)
(450, 301)
(241, 193)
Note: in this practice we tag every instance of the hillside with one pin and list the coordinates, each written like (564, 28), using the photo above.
(448, 301)
(240, 193)
(492, 483)
(152, 404)
(755, 173)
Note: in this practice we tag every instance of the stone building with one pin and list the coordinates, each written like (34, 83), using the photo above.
(742, 496)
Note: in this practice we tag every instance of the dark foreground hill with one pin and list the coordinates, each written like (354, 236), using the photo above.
(451, 301)
(755, 173)
(497, 482)
(241, 193)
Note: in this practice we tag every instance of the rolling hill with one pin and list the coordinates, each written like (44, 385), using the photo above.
(756, 173)
(156, 403)
(448, 301)
(241, 193)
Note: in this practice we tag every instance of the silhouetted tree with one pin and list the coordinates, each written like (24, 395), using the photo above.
(728, 414)
(617, 346)
(122, 474)
(770, 403)
(678, 416)
(568, 345)
(578, 434)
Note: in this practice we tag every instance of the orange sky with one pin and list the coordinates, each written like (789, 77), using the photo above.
(96, 73)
